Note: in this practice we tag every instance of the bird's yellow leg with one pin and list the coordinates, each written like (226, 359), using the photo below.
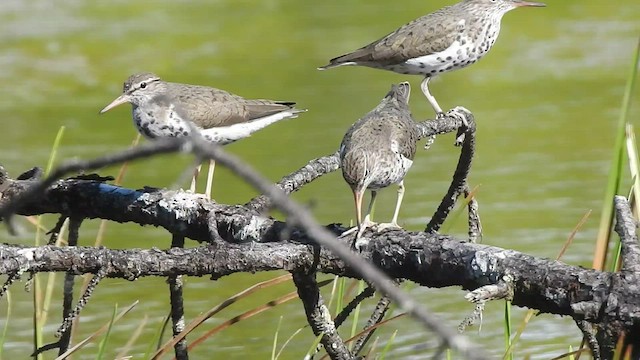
(212, 167)
(394, 221)
(424, 86)
(196, 172)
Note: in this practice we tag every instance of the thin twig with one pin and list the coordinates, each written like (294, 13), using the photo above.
(346, 311)
(74, 234)
(459, 181)
(177, 306)
(378, 314)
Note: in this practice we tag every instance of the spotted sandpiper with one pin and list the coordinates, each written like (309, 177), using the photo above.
(166, 109)
(378, 151)
(448, 39)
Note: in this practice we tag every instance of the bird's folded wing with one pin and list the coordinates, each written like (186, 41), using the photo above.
(415, 39)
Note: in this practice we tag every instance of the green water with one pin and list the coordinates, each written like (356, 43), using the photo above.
(546, 100)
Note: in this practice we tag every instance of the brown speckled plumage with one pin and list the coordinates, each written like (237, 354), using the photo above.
(163, 109)
(378, 149)
(205, 106)
(448, 39)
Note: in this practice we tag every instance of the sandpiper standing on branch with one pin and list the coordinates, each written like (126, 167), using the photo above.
(378, 151)
(166, 109)
(448, 39)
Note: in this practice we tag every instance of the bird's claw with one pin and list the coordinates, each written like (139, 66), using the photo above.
(387, 226)
(360, 242)
(348, 232)
(458, 113)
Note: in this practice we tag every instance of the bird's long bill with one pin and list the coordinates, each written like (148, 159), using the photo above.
(357, 197)
(124, 98)
(529, 3)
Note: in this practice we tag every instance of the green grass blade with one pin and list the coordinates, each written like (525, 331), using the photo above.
(102, 329)
(289, 340)
(507, 328)
(51, 280)
(387, 347)
(356, 314)
(340, 295)
(39, 314)
(123, 351)
(314, 346)
(156, 340)
(6, 323)
(275, 339)
(54, 150)
(615, 173)
(103, 343)
(634, 168)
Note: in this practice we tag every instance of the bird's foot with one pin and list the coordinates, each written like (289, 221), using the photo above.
(387, 226)
(440, 115)
(361, 242)
(358, 242)
(457, 113)
(196, 194)
(348, 232)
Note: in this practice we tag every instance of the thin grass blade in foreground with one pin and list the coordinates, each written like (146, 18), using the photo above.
(275, 339)
(39, 304)
(6, 322)
(529, 315)
(455, 215)
(156, 341)
(133, 338)
(216, 309)
(103, 343)
(634, 167)
(364, 331)
(102, 329)
(289, 340)
(606, 220)
(102, 228)
(245, 315)
(387, 347)
(381, 323)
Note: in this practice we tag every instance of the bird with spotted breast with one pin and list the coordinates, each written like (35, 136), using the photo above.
(166, 109)
(377, 151)
(448, 39)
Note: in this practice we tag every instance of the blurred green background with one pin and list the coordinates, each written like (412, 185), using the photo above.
(546, 100)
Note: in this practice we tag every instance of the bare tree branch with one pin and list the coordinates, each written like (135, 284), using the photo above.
(319, 317)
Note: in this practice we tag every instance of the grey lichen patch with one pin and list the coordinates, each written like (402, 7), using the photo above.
(485, 264)
(178, 207)
(28, 253)
(253, 230)
(182, 204)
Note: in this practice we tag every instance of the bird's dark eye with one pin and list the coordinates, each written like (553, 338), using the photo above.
(143, 85)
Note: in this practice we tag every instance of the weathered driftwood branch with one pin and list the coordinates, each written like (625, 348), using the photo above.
(18, 196)
(612, 301)
(434, 261)
(428, 260)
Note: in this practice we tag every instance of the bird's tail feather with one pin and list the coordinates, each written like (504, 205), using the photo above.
(227, 134)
